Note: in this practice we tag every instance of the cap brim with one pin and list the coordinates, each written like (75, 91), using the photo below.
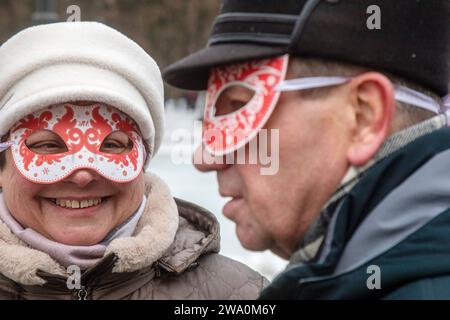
(192, 72)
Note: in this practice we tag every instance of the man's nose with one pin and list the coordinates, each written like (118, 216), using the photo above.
(83, 177)
(204, 162)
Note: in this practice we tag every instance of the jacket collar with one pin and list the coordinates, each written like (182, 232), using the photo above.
(316, 233)
(404, 192)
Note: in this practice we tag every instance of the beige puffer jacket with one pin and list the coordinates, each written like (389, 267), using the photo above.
(173, 255)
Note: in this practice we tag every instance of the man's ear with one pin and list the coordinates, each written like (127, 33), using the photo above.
(372, 99)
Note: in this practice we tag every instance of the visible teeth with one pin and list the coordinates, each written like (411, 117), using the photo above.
(76, 204)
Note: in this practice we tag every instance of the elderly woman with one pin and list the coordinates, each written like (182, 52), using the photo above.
(81, 115)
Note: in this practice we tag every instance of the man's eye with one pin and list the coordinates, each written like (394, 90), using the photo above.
(232, 99)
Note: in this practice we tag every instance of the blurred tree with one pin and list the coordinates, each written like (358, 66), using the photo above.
(166, 29)
(44, 12)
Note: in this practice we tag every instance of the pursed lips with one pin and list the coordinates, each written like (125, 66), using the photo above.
(230, 209)
(229, 193)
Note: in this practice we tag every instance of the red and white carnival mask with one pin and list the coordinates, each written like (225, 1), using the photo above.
(83, 129)
(226, 133)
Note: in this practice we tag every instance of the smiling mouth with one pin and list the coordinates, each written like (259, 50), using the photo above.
(77, 204)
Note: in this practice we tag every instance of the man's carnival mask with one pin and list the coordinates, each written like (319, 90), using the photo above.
(227, 127)
(242, 96)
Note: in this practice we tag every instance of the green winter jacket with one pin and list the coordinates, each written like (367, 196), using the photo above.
(389, 237)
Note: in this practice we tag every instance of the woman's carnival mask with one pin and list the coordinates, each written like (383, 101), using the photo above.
(83, 129)
(225, 133)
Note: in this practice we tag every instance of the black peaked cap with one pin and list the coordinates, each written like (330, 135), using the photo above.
(413, 41)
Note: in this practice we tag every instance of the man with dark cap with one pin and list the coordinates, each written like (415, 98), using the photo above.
(360, 201)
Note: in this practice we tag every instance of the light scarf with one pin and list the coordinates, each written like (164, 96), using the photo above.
(66, 255)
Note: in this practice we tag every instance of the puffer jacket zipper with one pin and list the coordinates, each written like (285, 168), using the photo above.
(87, 282)
(81, 294)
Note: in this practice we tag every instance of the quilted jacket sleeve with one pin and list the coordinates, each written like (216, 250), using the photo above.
(215, 277)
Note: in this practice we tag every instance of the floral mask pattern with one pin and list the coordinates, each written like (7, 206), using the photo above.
(226, 133)
(83, 130)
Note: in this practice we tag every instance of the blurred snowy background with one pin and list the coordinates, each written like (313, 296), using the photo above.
(201, 188)
(167, 30)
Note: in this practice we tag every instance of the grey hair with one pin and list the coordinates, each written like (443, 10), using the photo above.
(405, 115)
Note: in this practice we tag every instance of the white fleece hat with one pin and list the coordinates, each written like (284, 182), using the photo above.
(80, 61)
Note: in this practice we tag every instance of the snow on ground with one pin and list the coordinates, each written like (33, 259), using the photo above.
(201, 188)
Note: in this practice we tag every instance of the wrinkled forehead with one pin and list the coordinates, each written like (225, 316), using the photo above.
(81, 115)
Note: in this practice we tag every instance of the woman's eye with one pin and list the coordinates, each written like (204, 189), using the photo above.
(46, 142)
(114, 147)
(47, 147)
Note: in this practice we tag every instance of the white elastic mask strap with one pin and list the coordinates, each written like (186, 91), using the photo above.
(446, 106)
(446, 102)
(412, 97)
(5, 145)
(402, 94)
(310, 83)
